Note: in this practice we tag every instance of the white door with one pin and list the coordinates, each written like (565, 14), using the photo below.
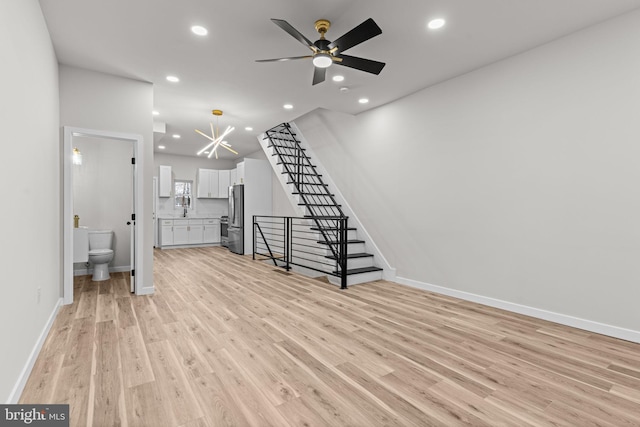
(132, 273)
(155, 207)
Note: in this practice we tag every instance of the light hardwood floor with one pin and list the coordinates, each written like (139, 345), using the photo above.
(227, 341)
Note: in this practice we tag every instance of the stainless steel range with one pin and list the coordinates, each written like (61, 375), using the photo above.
(224, 231)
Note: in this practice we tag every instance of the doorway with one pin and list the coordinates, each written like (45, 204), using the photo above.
(100, 148)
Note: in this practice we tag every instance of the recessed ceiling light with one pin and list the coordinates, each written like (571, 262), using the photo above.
(344, 89)
(161, 147)
(173, 79)
(338, 78)
(434, 24)
(155, 113)
(248, 128)
(363, 100)
(199, 30)
(176, 136)
(287, 106)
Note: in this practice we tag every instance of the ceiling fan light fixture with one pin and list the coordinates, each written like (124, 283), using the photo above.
(322, 60)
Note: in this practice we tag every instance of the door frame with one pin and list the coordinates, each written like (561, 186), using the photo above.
(67, 218)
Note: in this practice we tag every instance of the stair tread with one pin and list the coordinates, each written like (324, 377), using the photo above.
(361, 270)
(351, 256)
(307, 183)
(295, 164)
(331, 228)
(302, 173)
(312, 194)
(318, 204)
(286, 146)
(323, 217)
(331, 242)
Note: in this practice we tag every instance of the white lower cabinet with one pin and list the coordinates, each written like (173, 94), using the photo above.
(182, 232)
(211, 231)
(195, 231)
(166, 232)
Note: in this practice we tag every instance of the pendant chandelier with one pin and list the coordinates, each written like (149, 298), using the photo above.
(216, 138)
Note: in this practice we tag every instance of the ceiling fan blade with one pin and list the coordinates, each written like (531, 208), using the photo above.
(290, 58)
(363, 32)
(368, 65)
(319, 75)
(294, 33)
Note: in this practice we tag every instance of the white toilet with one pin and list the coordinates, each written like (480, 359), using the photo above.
(100, 253)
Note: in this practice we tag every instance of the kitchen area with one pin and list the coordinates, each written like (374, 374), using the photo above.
(200, 202)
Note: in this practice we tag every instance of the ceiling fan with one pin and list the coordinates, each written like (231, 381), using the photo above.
(326, 52)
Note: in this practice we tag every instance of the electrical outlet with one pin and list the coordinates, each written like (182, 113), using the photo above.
(39, 293)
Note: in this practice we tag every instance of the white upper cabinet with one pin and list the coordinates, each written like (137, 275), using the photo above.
(240, 173)
(213, 184)
(164, 181)
(223, 183)
(207, 183)
(233, 177)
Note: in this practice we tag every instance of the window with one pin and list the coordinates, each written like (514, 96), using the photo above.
(182, 193)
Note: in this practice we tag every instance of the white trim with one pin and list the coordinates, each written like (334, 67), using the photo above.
(16, 392)
(563, 319)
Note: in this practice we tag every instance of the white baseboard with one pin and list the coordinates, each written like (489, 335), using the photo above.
(563, 319)
(16, 392)
(146, 291)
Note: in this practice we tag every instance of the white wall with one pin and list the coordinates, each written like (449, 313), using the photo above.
(186, 168)
(93, 100)
(103, 193)
(516, 182)
(30, 173)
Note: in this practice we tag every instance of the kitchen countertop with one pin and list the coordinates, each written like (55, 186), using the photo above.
(207, 216)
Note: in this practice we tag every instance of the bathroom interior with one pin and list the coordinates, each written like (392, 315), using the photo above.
(103, 203)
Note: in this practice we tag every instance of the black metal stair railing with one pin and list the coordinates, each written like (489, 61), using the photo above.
(320, 204)
(292, 241)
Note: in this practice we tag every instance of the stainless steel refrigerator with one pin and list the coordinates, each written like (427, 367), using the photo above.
(236, 219)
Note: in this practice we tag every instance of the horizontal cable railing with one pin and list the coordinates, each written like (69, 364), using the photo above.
(298, 241)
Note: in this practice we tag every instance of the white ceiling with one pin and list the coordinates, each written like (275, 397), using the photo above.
(150, 39)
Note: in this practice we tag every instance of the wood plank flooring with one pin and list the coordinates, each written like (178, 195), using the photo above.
(227, 341)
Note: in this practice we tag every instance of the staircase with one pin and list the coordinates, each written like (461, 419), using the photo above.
(318, 205)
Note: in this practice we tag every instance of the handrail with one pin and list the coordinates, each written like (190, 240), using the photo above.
(292, 234)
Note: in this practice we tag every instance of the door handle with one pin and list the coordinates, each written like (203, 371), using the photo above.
(128, 222)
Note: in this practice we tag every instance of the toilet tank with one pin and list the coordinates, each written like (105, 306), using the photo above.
(100, 239)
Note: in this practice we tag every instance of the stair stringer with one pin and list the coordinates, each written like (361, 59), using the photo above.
(388, 272)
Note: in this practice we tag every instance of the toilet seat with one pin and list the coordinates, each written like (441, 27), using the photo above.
(100, 251)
